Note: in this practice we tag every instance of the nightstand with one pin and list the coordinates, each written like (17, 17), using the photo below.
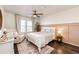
(59, 38)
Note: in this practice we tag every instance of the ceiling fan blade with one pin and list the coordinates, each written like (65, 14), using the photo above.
(36, 13)
(40, 13)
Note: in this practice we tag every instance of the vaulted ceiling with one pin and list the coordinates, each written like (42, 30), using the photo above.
(27, 10)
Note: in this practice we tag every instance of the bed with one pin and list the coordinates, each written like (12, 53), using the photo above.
(40, 39)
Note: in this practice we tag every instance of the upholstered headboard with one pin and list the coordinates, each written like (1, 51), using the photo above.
(49, 30)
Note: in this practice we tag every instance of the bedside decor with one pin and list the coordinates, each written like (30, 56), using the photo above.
(59, 36)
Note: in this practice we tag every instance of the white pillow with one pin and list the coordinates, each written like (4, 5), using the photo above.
(1, 33)
(15, 34)
(10, 35)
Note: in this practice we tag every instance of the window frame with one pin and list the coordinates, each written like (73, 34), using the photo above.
(26, 30)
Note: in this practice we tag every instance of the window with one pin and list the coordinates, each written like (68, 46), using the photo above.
(26, 26)
(23, 26)
(29, 26)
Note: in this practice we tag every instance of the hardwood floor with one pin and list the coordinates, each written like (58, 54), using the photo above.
(63, 48)
(60, 48)
(16, 49)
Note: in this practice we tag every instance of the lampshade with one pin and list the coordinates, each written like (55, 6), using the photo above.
(59, 32)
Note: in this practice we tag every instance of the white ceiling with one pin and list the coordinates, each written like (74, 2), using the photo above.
(27, 10)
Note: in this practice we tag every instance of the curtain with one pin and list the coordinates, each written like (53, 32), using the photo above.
(17, 22)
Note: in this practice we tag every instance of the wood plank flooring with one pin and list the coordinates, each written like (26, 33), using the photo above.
(63, 48)
(60, 48)
(16, 49)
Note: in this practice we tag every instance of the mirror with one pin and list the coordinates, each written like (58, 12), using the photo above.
(0, 19)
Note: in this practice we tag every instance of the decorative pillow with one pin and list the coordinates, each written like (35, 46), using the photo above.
(19, 38)
(15, 34)
(3, 38)
(10, 35)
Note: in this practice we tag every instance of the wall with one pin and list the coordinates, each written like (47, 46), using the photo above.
(7, 47)
(67, 16)
(70, 32)
(74, 34)
(9, 20)
(64, 28)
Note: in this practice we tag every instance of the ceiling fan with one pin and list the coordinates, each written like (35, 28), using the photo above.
(36, 14)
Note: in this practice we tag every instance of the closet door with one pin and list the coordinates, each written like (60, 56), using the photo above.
(74, 34)
(0, 19)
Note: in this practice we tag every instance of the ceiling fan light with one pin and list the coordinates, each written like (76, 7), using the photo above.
(34, 15)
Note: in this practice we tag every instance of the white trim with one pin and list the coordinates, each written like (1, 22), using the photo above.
(71, 44)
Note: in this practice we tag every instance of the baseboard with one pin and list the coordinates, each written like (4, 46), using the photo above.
(71, 44)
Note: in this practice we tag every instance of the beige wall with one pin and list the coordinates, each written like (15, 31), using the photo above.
(70, 32)
(9, 20)
(64, 31)
(74, 34)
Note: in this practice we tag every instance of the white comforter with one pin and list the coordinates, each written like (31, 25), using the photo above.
(40, 39)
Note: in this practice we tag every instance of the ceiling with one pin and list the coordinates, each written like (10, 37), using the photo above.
(27, 10)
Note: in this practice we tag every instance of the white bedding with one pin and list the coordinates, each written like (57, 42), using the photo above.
(40, 39)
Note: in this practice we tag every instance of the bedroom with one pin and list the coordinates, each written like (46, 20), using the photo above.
(39, 29)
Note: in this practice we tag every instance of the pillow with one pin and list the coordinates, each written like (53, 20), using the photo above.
(10, 35)
(3, 38)
(48, 29)
(15, 34)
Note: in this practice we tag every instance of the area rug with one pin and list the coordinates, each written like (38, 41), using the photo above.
(27, 47)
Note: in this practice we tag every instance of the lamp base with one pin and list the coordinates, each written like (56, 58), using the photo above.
(59, 38)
